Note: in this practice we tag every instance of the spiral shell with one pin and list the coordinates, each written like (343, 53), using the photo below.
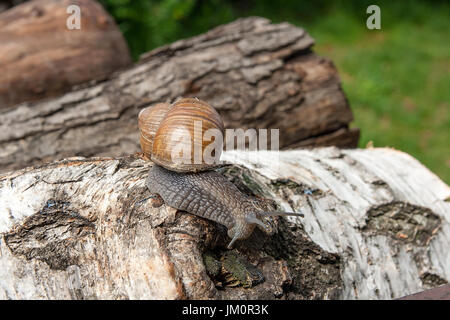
(185, 137)
(148, 122)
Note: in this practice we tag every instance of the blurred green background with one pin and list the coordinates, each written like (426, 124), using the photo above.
(397, 79)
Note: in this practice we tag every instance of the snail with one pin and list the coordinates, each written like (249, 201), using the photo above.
(169, 136)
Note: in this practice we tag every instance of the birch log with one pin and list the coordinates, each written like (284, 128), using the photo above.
(255, 73)
(376, 226)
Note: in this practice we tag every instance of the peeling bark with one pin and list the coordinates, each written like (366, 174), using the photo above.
(256, 74)
(376, 226)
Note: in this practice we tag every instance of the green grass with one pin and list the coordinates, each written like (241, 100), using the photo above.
(397, 79)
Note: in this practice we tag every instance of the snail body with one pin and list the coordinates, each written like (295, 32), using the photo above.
(195, 187)
(207, 194)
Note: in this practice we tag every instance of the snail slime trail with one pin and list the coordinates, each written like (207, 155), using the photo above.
(195, 187)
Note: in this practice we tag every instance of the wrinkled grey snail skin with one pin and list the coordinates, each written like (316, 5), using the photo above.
(210, 195)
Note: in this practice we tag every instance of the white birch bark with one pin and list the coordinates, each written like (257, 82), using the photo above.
(376, 226)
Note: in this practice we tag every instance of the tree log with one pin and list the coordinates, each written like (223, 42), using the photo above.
(7, 4)
(41, 57)
(256, 74)
(376, 226)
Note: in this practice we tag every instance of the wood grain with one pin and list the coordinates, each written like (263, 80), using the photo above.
(40, 57)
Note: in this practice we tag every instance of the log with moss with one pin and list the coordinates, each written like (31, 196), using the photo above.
(376, 226)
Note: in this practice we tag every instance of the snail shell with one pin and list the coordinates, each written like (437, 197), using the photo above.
(178, 137)
(148, 122)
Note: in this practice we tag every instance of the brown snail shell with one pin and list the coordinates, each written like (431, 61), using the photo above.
(148, 122)
(178, 143)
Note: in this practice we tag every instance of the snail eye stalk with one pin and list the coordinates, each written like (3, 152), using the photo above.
(281, 213)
